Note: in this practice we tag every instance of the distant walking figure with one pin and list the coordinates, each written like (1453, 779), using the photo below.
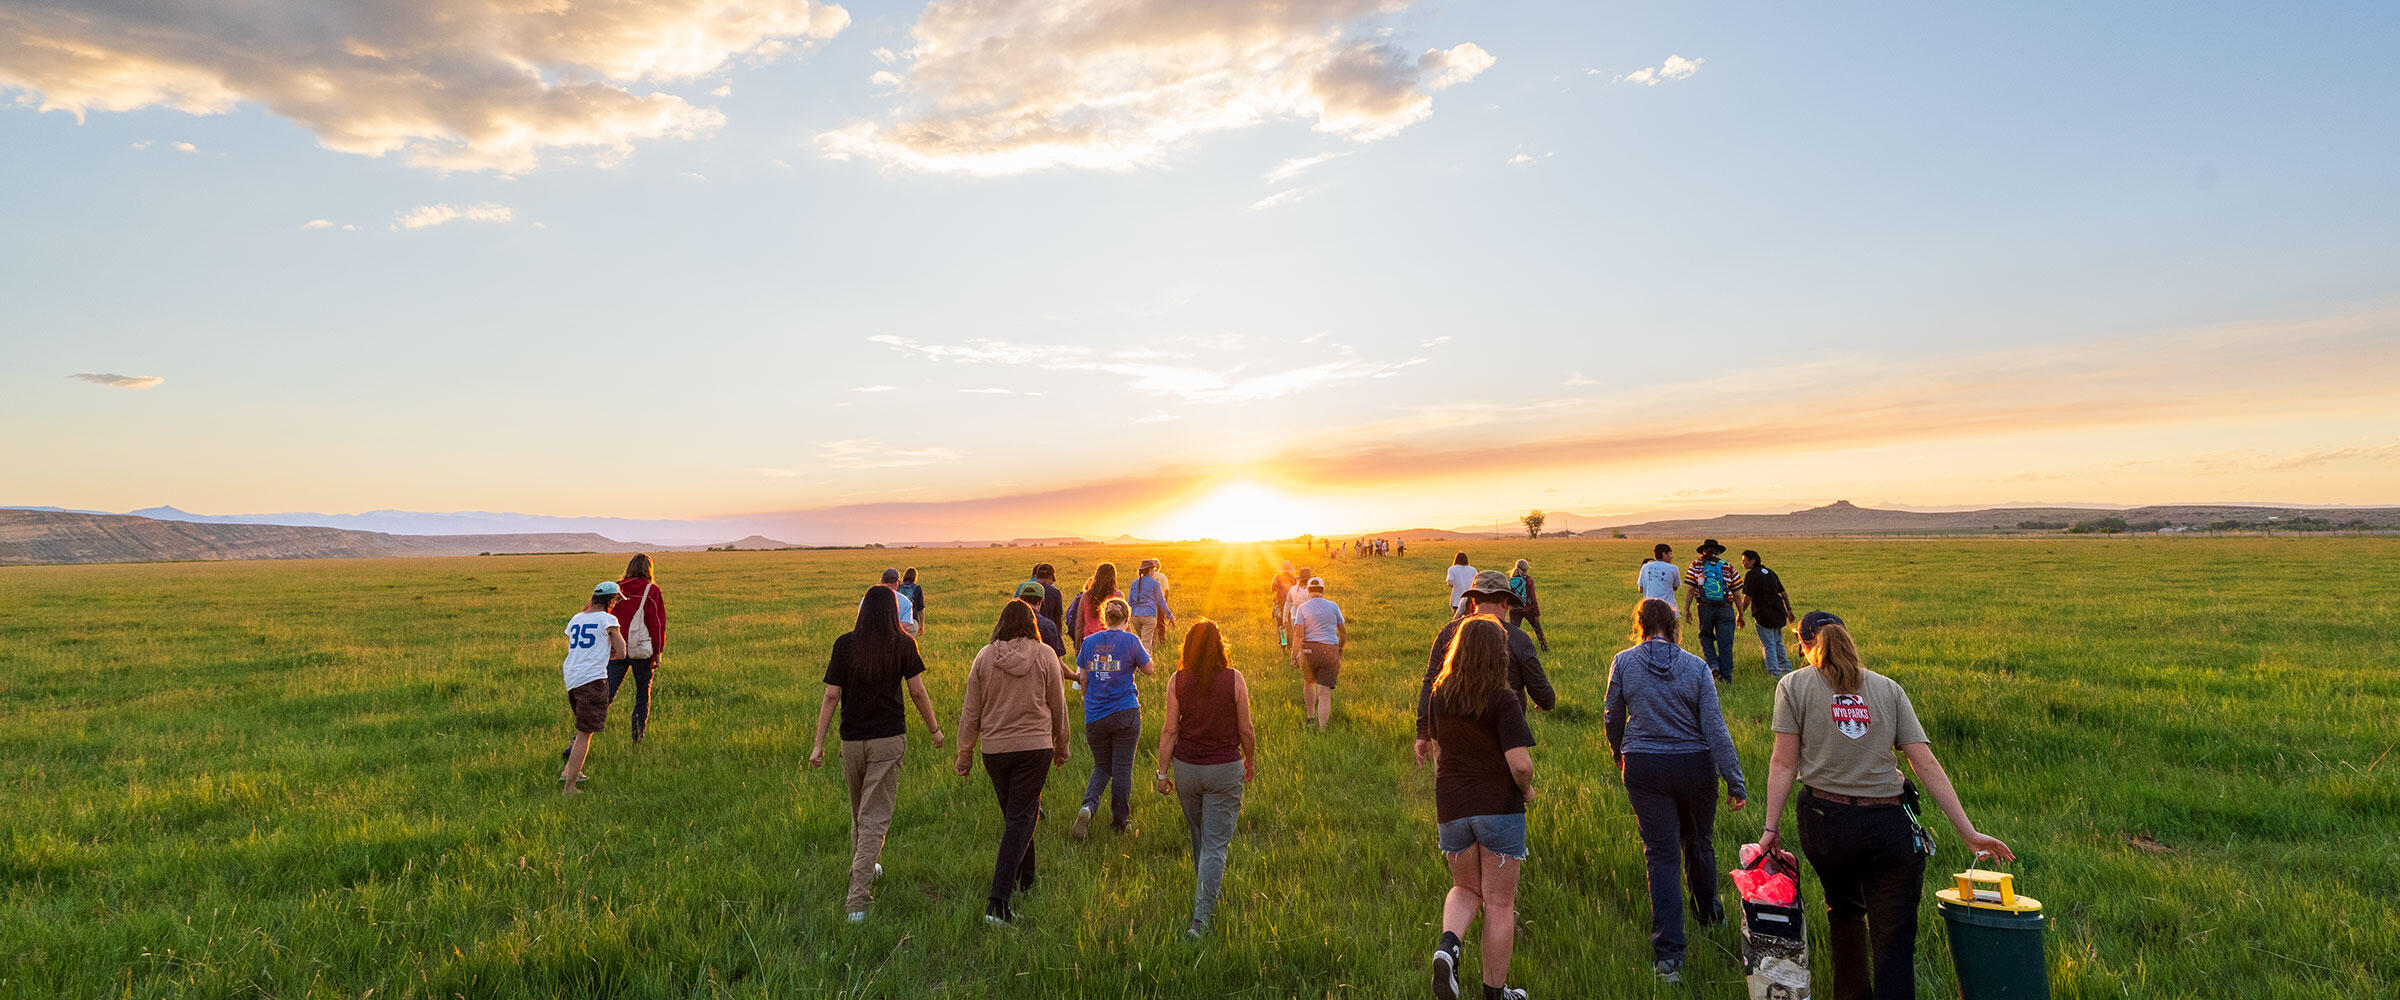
(1669, 740)
(643, 617)
(1483, 778)
(1529, 607)
(864, 676)
(594, 641)
(891, 582)
(1459, 576)
(1016, 707)
(1324, 636)
(1770, 608)
(1836, 726)
(1279, 593)
(1711, 584)
(1112, 715)
(915, 594)
(1658, 578)
(1152, 617)
(1209, 738)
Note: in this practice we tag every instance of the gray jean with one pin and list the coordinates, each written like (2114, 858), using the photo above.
(1211, 795)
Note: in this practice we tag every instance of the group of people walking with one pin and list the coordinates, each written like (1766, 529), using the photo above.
(1837, 727)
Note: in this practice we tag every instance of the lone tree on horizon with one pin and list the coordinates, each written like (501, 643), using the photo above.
(1533, 524)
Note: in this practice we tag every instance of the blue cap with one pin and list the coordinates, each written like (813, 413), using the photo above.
(608, 588)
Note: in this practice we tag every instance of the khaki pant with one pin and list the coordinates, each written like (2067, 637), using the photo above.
(1152, 634)
(872, 768)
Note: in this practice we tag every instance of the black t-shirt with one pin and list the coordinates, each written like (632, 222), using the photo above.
(1051, 607)
(872, 713)
(1473, 779)
(1767, 600)
(1050, 636)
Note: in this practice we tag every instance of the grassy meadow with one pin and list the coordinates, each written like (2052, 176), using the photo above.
(336, 779)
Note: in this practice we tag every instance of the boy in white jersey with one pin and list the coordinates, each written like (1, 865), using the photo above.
(593, 639)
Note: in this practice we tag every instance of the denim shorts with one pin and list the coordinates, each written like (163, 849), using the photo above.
(1502, 834)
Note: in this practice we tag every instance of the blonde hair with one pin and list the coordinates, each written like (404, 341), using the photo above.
(1524, 567)
(1835, 655)
(1115, 611)
(1477, 667)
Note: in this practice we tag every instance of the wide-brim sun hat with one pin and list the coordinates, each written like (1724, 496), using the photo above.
(1490, 582)
(1710, 546)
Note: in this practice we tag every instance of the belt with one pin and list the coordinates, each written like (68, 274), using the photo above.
(1856, 800)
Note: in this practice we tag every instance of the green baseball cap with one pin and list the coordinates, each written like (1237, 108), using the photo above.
(1030, 590)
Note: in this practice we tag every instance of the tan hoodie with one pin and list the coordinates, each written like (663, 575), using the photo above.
(1016, 700)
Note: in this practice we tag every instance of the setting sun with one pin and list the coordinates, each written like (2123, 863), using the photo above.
(1243, 512)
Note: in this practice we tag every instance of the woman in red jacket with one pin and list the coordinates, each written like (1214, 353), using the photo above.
(642, 616)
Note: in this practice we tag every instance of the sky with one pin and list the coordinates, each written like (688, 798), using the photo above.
(999, 268)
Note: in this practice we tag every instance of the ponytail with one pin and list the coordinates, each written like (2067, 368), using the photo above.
(1835, 656)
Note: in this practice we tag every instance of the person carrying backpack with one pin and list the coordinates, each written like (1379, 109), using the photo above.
(1528, 611)
(1710, 586)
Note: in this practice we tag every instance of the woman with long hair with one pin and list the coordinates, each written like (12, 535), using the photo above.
(642, 616)
(1086, 607)
(864, 676)
(1209, 737)
(1837, 725)
(914, 595)
(1528, 611)
(1669, 740)
(1483, 779)
(1016, 707)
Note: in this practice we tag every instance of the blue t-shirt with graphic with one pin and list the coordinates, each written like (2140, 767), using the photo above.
(1108, 660)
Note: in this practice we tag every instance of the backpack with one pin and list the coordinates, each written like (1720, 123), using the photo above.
(1712, 579)
(1517, 586)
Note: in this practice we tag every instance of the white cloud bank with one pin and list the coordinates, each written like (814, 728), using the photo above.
(116, 381)
(1009, 86)
(450, 85)
(867, 453)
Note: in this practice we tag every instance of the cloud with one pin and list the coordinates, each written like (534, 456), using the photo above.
(1435, 342)
(886, 56)
(317, 224)
(1279, 198)
(721, 90)
(1577, 379)
(1675, 68)
(144, 144)
(873, 388)
(1519, 160)
(1154, 372)
(2251, 460)
(1009, 86)
(435, 215)
(1298, 165)
(185, 147)
(2220, 373)
(996, 391)
(451, 85)
(867, 453)
(114, 380)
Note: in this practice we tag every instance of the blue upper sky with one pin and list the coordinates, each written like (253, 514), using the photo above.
(686, 259)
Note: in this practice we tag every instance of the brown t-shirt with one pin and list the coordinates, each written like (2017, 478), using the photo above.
(1846, 740)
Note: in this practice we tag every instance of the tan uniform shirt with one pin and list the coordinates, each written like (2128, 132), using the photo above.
(1846, 740)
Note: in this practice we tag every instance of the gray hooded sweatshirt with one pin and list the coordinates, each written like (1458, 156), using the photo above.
(1661, 700)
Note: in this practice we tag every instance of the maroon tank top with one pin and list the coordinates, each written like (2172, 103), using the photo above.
(1208, 729)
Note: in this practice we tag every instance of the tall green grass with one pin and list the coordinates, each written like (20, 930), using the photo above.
(337, 778)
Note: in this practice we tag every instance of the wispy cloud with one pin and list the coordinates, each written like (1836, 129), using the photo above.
(874, 388)
(116, 381)
(997, 391)
(1279, 198)
(185, 147)
(868, 453)
(458, 85)
(317, 224)
(721, 90)
(1675, 68)
(423, 216)
(1298, 165)
(1577, 380)
(2247, 460)
(1155, 372)
(1009, 86)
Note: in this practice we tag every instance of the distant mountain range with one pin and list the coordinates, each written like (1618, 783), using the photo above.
(52, 535)
(465, 522)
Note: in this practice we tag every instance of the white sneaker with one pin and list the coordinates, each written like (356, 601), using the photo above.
(879, 869)
(858, 916)
(1083, 824)
(1445, 974)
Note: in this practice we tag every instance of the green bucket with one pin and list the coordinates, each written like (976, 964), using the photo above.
(1995, 940)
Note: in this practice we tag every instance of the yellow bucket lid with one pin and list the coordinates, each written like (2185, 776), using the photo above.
(2003, 897)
